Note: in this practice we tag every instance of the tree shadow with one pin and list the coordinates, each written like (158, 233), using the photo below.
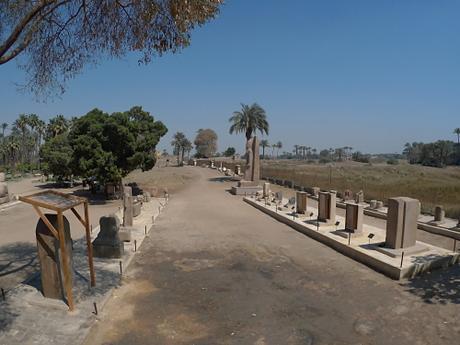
(440, 286)
(93, 198)
(223, 179)
(17, 262)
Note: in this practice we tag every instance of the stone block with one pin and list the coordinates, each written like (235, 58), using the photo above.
(108, 243)
(402, 218)
(125, 234)
(147, 197)
(359, 197)
(354, 218)
(379, 205)
(439, 214)
(50, 257)
(301, 202)
(327, 207)
(128, 210)
(137, 209)
(373, 204)
(266, 190)
(316, 191)
(348, 195)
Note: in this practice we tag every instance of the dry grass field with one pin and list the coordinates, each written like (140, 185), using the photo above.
(432, 186)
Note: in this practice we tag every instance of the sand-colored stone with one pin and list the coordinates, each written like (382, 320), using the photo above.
(301, 202)
(401, 226)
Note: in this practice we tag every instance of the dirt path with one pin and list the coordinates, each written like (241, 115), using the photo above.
(217, 271)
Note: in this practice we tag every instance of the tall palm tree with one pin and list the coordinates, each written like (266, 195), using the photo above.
(264, 143)
(279, 145)
(57, 125)
(457, 131)
(249, 120)
(296, 150)
(21, 124)
(4, 126)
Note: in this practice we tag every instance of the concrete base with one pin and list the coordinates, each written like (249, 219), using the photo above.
(345, 233)
(246, 190)
(362, 251)
(419, 247)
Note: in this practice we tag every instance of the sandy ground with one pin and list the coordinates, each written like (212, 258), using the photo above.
(217, 271)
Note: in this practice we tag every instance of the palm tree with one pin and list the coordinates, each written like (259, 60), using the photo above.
(296, 150)
(264, 143)
(4, 126)
(179, 143)
(57, 125)
(279, 145)
(21, 124)
(249, 120)
(457, 131)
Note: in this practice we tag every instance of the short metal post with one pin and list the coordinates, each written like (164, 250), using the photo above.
(91, 228)
(145, 230)
(95, 308)
(402, 258)
(349, 237)
(135, 245)
(3, 295)
(455, 245)
(121, 268)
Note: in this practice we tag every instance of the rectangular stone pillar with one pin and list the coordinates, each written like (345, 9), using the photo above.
(266, 190)
(326, 207)
(128, 212)
(354, 218)
(301, 202)
(402, 222)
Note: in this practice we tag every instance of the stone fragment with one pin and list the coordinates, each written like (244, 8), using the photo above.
(137, 209)
(439, 214)
(379, 205)
(4, 196)
(359, 197)
(266, 190)
(237, 169)
(373, 204)
(327, 207)
(128, 212)
(348, 195)
(147, 197)
(316, 191)
(354, 218)
(402, 222)
(301, 202)
(107, 243)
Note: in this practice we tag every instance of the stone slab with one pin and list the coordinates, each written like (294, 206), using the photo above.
(418, 248)
(245, 190)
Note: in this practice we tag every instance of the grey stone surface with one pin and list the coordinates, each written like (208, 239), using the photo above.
(107, 243)
(50, 257)
(401, 226)
(439, 214)
(137, 209)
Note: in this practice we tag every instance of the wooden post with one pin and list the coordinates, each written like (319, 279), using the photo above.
(89, 246)
(65, 262)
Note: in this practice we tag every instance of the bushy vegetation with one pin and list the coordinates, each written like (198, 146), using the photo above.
(437, 154)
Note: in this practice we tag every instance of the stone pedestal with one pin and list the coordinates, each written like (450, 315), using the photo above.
(301, 202)
(238, 169)
(316, 191)
(107, 243)
(326, 207)
(266, 190)
(359, 197)
(402, 222)
(373, 204)
(4, 196)
(348, 195)
(127, 209)
(49, 257)
(439, 215)
(354, 218)
(249, 185)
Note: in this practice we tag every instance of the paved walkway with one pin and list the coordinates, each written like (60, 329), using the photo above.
(217, 271)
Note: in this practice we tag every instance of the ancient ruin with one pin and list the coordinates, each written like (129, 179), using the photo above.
(301, 202)
(250, 182)
(327, 207)
(108, 243)
(4, 196)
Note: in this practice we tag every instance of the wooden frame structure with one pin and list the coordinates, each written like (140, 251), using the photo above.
(61, 202)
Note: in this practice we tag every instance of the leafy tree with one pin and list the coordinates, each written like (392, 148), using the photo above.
(205, 143)
(230, 151)
(264, 144)
(249, 120)
(56, 155)
(178, 143)
(108, 147)
(57, 38)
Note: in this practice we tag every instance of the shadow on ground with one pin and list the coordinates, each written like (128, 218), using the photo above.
(223, 179)
(437, 287)
(17, 259)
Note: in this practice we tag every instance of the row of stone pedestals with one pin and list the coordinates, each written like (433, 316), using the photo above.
(402, 216)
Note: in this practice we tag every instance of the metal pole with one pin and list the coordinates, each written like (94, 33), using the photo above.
(402, 258)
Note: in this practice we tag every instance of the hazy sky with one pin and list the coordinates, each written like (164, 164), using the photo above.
(368, 74)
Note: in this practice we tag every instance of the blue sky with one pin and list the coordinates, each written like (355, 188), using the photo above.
(367, 74)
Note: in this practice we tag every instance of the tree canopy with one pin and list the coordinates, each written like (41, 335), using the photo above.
(110, 146)
(57, 38)
(249, 120)
(205, 143)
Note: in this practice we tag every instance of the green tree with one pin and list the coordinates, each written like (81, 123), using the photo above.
(229, 152)
(249, 120)
(264, 144)
(108, 147)
(179, 143)
(56, 155)
(57, 38)
(205, 143)
(4, 127)
(21, 124)
(279, 145)
(56, 126)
